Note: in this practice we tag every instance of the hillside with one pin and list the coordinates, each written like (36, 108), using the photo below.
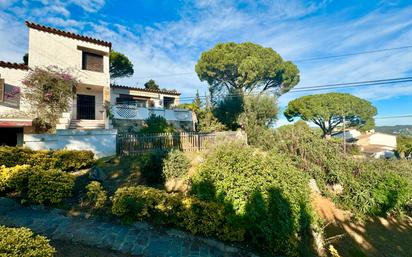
(395, 130)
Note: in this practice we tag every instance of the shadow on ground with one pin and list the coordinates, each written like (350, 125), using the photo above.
(374, 237)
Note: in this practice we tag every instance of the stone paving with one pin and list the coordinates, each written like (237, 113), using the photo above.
(138, 239)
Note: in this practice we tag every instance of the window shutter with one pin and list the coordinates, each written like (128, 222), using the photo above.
(92, 62)
(1, 90)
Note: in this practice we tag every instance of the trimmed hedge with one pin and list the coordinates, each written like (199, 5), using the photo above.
(65, 160)
(9, 177)
(49, 187)
(21, 242)
(270, 196)
(189, 213)
(36, 186)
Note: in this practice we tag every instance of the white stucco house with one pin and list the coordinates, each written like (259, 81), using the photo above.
(131, 105)
(87, 59)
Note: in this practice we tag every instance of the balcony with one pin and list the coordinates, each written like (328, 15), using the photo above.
(134, 112)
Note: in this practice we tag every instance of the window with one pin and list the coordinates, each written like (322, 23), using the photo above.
(168, 102)
(92, 62)
(130, 100)
(9, 95)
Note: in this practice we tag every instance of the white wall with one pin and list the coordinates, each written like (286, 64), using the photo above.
(47, 49)
(101, 141)
(383, 139)
(14, 77)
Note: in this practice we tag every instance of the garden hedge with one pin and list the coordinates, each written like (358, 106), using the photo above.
(189, 213)
(65, 160)
(36, 185)
(21, 242)
(269, 196)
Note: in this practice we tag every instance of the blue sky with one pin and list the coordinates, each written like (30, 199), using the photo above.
(164, 38)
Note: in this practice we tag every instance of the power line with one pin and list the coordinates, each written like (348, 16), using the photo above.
(354, 53)
(334, 86)
(298, 60)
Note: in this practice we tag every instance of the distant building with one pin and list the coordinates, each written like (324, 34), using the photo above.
(132, 105)
(373, 144)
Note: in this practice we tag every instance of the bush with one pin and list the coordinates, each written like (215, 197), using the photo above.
(37, 186)
(71, 160)
(11, 178)
(21, 242)
(157, 124)
(368, 185)
(96, 194)
(49, 187)
(404, 146)
(66, 160)
(151, 166)
(175, 165)
(189, 213)
(269, 196)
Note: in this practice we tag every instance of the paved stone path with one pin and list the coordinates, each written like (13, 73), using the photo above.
(139, 238)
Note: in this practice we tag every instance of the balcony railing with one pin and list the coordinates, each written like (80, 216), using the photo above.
(133, 112)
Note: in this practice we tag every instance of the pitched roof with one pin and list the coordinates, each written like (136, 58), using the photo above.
(67, 34)
(161, 91)
(13, 65)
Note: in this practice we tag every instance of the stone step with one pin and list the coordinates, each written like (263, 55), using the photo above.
(87, 124)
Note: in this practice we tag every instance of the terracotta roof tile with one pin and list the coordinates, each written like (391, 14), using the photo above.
(67, 34)
(13, 65)
(161, 91)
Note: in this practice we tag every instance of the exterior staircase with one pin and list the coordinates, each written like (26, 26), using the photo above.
(87, 124)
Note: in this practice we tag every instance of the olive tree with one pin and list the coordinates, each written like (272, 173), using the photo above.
(330, 110)
(247, 67)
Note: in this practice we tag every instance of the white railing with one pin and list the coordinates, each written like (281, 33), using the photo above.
(133, 112)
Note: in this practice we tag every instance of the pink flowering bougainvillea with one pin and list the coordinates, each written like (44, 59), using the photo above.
(49, 92)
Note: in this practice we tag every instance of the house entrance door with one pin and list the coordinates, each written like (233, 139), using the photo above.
(86, 107)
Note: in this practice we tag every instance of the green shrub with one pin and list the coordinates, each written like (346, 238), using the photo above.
(189, 213)
(269, 196)
(151, 166)
(49, 187)
(176, 165)
(157, 124)
(66, 160)
(404, 146)
(96, 194)
(21, 242)
(12, 178)
(369, 185)
(71, 160)
(12, 156)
